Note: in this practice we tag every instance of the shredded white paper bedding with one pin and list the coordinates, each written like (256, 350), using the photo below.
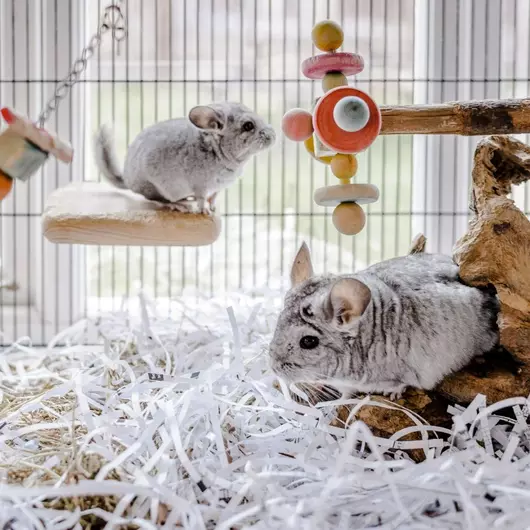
(176, 423)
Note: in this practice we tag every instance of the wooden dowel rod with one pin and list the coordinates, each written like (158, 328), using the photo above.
(466, 118)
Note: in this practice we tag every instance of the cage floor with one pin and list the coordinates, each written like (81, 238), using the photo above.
(177, 423)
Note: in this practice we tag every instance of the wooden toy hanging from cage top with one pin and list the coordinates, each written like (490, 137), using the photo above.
(24, 145)
(345, 121)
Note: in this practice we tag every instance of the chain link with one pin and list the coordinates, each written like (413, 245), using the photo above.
(112, 20)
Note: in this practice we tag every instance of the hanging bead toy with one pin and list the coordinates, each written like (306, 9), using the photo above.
(24, 145)
(345, 121)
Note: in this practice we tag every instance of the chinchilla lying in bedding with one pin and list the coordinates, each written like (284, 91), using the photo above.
(407, 321)
(195, 157)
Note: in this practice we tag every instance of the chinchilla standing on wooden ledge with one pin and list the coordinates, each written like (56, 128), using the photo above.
(184, 162)
(405, 322)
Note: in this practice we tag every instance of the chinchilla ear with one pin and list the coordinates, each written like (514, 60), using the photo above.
(347, 300)
(206, 117)
(302, 268)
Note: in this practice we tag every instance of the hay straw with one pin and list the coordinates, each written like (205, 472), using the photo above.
(176, 422)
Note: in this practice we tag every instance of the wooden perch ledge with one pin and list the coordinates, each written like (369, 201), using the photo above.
(464, 118)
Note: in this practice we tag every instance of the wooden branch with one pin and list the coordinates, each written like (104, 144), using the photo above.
(465, 118)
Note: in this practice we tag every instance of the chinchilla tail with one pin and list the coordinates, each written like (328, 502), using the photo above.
(106, 158)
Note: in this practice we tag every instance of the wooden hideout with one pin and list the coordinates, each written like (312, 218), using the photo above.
(89, 213)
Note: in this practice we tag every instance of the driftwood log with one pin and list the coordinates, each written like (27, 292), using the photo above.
(494, 251)
(466, 118)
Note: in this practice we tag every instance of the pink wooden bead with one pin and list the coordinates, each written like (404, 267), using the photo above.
(297, 125)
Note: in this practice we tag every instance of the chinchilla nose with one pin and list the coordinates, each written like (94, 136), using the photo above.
(268, 134)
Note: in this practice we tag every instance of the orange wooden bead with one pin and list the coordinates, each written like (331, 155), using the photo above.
(6, 183)
(344, 166)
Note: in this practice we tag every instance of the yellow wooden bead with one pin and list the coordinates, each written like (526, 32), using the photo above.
(333, 80)
(349, 218)
(344, 166)
(327, 36)
(310, 147)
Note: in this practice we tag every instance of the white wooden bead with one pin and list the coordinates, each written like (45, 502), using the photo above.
(335, 195)
(351, 113)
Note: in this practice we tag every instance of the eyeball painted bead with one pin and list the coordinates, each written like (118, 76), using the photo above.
(297, 125)
(344, 166)
(333, 80)
(327, 36)
(349, 218)
(351, 113)
(334, 137)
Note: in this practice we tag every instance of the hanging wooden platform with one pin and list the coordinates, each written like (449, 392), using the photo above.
(93, 213)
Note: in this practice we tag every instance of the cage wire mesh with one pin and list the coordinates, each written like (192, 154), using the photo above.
(180, 53)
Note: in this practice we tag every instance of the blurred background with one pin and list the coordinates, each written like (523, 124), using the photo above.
(179, 53)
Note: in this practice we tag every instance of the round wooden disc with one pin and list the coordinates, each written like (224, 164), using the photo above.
(318, 66)
(337, 139)
(335, 195)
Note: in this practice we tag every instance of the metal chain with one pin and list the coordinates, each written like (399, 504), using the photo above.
(112, 20)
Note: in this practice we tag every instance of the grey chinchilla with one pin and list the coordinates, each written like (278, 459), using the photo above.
(180, 159)
(405, 322)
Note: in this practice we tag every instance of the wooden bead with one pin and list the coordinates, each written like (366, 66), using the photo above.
(333, 80)
(310, 148)
(6, 183)
(327, 36)
(344, 166)
(349, 218)
(297, 125)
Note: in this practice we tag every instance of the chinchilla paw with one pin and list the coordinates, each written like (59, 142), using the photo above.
(183, 206)
(205, 207)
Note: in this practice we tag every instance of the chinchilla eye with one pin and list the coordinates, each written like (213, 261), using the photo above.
(248, 126)
(307, 311)
(309, 342)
